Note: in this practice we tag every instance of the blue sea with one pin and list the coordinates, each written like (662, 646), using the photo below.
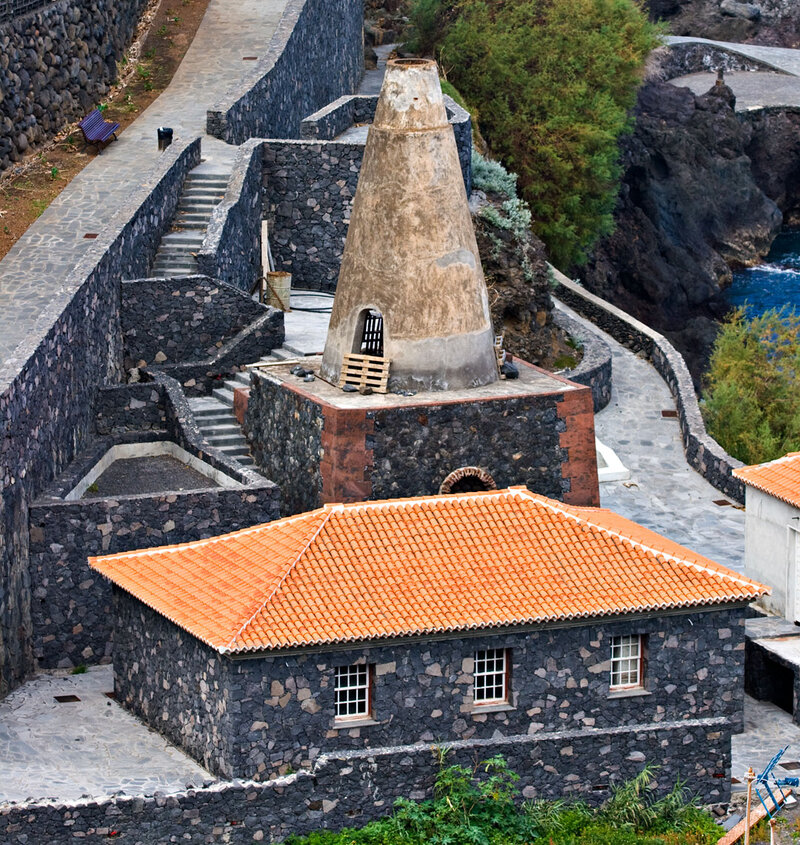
(774, 283)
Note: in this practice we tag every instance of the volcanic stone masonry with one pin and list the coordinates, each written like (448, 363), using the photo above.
(267, 715)
(55, 64)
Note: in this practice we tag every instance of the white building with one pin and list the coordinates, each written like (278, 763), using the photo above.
(772, 531)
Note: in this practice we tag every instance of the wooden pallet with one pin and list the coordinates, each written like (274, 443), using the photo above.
(365, 371)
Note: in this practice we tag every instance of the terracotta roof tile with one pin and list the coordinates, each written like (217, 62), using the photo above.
(404, 567)
(779, 478)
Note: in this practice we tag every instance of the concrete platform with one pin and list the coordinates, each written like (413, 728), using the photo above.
(90, 748)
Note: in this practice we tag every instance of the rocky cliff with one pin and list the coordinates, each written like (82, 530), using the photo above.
(689, 208)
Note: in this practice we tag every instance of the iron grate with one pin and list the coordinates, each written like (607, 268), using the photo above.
(66, 699)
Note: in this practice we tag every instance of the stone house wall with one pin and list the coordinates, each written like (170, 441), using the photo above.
(309, 186)
(58, 61)
(275, 714)
(46, 389)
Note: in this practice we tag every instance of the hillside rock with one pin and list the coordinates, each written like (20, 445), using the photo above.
(689, 209)
(517, 278)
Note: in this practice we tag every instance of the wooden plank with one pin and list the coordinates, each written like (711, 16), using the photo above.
(756, 814)
(365, 371)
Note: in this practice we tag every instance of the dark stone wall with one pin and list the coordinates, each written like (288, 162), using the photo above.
(516, 440)
(57, 63)
(308, 190)
(272, 715)
(350, 789)
(594, 368)
(46, 389)
(335, 117)
(306, 66)
(231, 249)
(284, 431)
(682, 59)
(183, 319)
(130, 407)
(703, 453)
(71, 608)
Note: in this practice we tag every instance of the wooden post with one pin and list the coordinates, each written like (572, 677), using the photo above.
(750, 777)
(772, 831)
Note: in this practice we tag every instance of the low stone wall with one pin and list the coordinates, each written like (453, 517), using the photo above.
(703, 453)
(306, 66)
(231, 249)
(594, 368)
(341, 114)
(130, 407)
(681, 59)
(47, 386)
(58, 60)
(166, 321)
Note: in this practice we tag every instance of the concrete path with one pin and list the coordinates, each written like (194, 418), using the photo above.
(663, 493)
(90, 748)
(753, 90)
(33, 272)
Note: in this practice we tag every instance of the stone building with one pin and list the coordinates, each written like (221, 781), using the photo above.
(569, 639)
(412, 299)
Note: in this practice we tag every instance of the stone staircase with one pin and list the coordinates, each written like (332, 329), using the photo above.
(215, 417)
(202, 193)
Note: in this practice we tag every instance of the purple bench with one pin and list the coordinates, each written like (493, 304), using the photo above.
(97, 131)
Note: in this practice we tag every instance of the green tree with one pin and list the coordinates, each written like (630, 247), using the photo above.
(752, 402)
(553, 82)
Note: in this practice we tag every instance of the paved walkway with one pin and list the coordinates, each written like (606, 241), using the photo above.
(753, 89)
(90, 748)
(663, 493)
(33, 272)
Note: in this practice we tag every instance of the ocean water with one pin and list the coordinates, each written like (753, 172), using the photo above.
(774, 283)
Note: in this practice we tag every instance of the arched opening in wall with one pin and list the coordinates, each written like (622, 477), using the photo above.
(468, 480)
(369, 333)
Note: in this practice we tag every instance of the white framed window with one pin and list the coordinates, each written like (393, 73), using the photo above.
(490, 679)
(353, 690)
(626, 662)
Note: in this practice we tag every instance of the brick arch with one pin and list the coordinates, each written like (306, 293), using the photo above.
(468, 479)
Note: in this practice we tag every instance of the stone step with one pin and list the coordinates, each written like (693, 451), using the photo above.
(224, 394)
(194, 179)
(221, 428)
(235, 451)
(166, 256)
(194, 224)
(181, 247)
(181, 238)
(220, 440)
(184, 218)
(214, 410)
(204, 192)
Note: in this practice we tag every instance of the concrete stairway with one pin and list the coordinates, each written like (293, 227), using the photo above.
(219, 426)
(202, 193)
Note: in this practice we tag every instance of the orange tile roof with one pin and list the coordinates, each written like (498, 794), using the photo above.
(779, 478)
(406, 567)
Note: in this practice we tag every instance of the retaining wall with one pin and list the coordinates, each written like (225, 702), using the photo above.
(71, 610)
(46, 388)
(594, 368)
(57, 61)
(684, 58)
(703, 453)
(316, 55)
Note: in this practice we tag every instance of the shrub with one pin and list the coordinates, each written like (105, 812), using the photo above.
(752, 401)
(553, 82)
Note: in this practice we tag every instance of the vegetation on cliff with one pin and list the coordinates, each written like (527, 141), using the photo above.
(552, 82)
(479, 807)
(752, 403)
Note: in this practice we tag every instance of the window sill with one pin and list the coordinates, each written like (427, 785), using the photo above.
(344, 724)
(500, 707)
(634, 692)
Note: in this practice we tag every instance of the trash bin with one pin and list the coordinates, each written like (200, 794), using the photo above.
(164, 137)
